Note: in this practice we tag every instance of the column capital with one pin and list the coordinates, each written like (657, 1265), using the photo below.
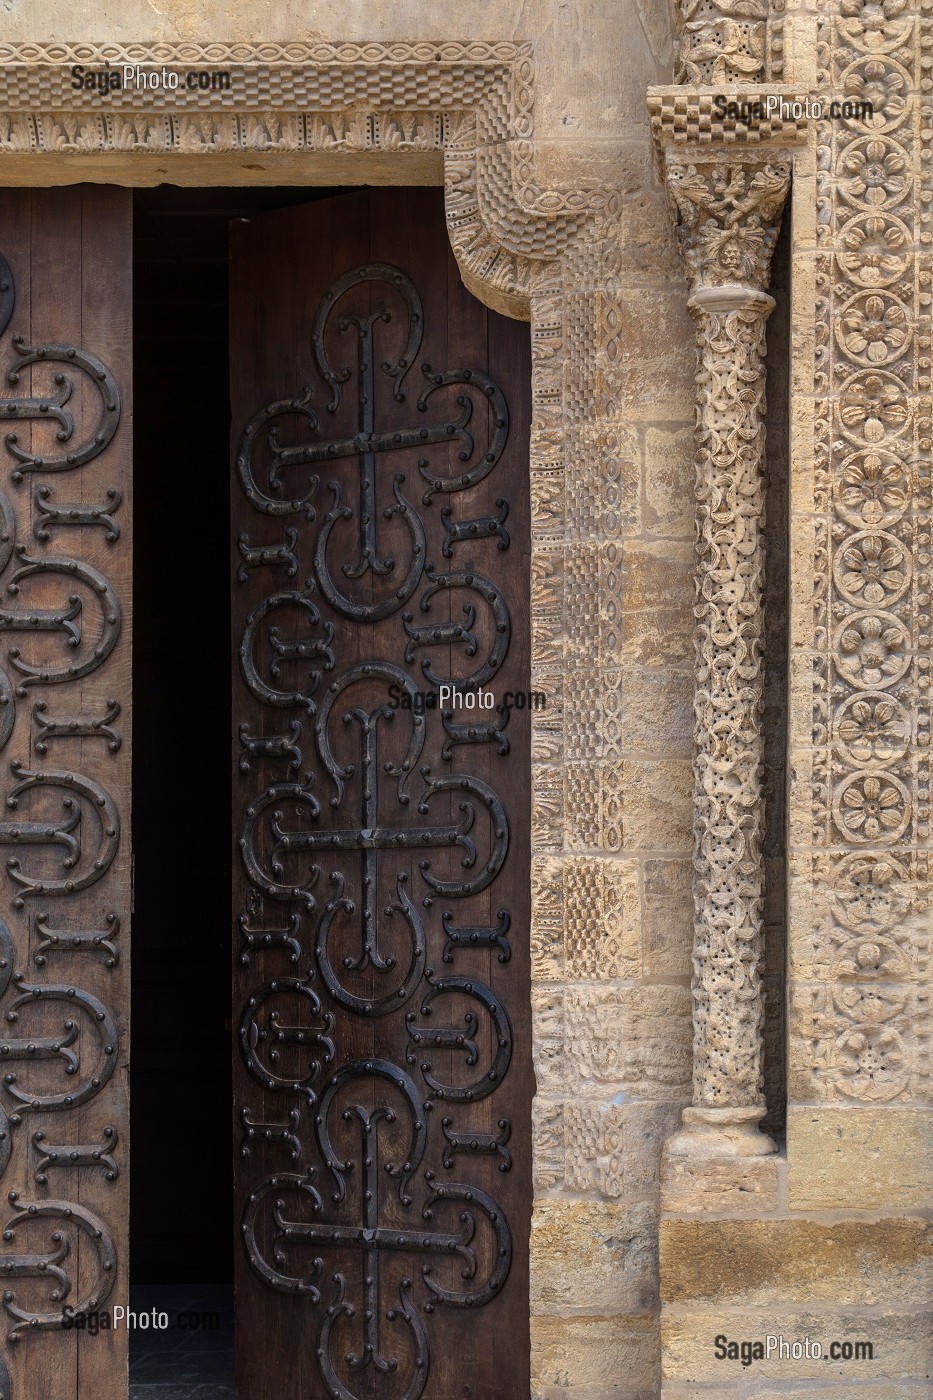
(727, 215)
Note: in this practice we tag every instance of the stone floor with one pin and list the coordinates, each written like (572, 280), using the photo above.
(182, 1363)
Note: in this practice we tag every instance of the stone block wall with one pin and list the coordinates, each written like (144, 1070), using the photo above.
(611, 927)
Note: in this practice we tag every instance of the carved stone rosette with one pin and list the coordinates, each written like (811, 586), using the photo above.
(727, 216)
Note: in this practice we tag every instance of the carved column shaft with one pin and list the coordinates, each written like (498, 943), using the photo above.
(728, 883)
(727, 221)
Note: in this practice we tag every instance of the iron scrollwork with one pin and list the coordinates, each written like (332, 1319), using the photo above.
(63, 620)
(423, 1039)
(271, 746)
(444, 633)
(365, 818)
(76, 940)
(49, 727)
(485, 527)
(79, 871)
(314, 648)
(59, 623)
(363, 1228)
(266, 556)
(52, 407)
(59, 514)
(265, 1041)
(285, 1133)
(30, 1049)
(90, 1231)
(73, 1155)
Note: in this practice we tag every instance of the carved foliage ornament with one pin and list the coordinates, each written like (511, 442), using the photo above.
(730, 41)
(728, 880)
(727, 215)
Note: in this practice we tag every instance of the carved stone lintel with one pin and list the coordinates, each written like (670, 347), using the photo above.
(727, 216)
(469, 104)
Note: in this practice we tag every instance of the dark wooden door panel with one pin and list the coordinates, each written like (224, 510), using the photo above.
(65, 353)
(383, 1074)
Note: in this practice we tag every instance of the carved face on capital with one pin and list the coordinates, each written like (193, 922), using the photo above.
(732, 255)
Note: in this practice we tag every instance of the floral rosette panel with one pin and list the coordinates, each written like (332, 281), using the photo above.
(865, 1018)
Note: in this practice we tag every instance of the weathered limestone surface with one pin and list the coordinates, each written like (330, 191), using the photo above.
(852, 1263)
(859, 1159)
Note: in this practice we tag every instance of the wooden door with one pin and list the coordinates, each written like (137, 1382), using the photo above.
(380, 555)
(65, 444)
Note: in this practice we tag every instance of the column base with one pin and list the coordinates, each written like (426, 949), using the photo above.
(720, 1132)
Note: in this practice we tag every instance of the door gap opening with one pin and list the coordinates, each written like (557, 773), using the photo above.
(181, 1238)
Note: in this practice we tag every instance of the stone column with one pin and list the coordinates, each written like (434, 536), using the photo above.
(728, 215)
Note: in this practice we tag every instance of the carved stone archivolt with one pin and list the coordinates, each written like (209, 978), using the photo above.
(730, 41)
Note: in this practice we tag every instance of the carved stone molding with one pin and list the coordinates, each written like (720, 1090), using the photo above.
(469, 103)
(727, 215)
(771, 116)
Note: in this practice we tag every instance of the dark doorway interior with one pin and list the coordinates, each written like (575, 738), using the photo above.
(182, 1151)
